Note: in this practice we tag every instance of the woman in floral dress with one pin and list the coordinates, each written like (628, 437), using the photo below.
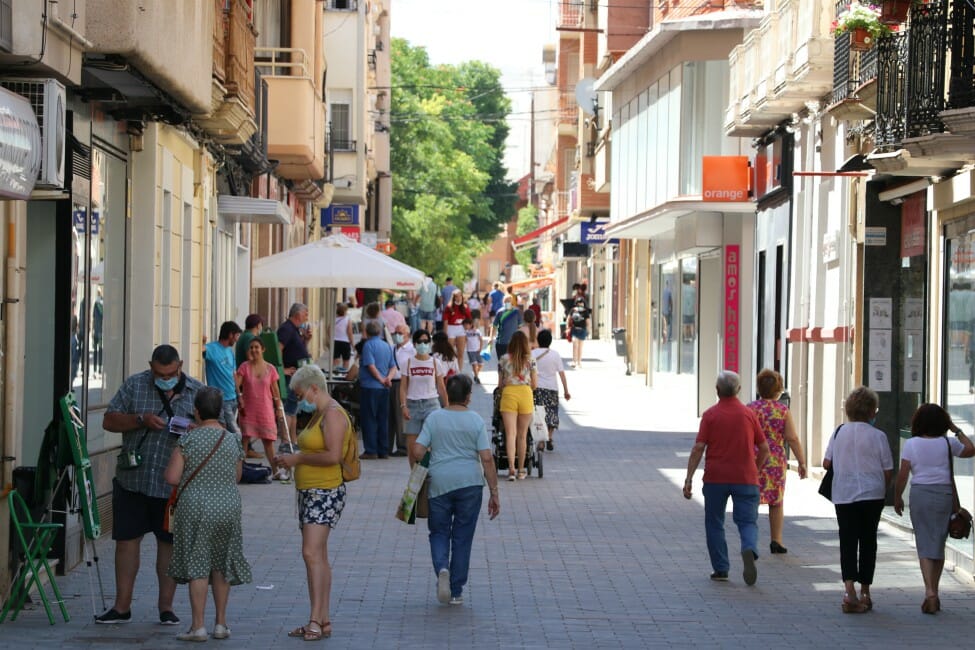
(208, 545)
(779, 429)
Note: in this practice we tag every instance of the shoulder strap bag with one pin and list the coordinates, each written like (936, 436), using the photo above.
(169, 517)
(960, 522)
(826, 487)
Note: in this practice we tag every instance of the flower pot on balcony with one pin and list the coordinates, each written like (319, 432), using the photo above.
(860, 39)
(894, 12)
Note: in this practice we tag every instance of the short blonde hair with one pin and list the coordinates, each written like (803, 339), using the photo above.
(307, 377)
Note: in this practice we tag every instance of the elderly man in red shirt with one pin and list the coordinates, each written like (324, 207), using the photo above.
(735, 446)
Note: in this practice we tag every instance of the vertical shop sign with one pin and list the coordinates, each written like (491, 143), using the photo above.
(912, 225)
(732, 273)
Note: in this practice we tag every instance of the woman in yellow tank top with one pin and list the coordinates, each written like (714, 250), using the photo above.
(321, 491)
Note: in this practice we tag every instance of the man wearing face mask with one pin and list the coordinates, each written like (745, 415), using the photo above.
(506, 323)
(151, 410)
(402, 351)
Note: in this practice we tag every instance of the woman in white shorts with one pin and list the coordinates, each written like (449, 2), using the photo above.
(421, 388)
(453, 321)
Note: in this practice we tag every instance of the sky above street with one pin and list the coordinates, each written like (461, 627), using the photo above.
(508, 34)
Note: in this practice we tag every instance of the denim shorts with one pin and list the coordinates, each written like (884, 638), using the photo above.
(427, 315)
(474, 358)
(290, 403)
(419, 410)
(579, 333)
(321, 506)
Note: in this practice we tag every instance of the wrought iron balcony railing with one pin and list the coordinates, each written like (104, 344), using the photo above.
(891, 91)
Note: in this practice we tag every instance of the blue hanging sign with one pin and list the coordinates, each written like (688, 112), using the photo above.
(595, 233)
(340, 215)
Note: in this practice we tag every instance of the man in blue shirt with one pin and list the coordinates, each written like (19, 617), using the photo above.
(377, 369)
(506, 323)
(293, 335)
(447, 293)
(221, 364)
(497, 298)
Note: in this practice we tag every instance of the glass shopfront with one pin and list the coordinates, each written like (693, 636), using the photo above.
(958, 350)
(677, 330)
(98, 295)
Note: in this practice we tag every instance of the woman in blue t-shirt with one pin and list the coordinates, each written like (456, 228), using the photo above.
(460, 461)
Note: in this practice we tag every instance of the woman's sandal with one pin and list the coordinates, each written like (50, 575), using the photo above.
(308, 634)
(865, 599)
(857, 607)
(522, 475)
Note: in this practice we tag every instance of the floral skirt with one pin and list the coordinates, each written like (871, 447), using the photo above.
(550, 400)
(320, 506)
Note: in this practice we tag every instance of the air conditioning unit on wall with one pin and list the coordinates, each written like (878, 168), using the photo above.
(48, 99)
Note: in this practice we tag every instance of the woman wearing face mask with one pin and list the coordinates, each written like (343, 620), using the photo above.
(453, 318)
(421, 389)
(321, 490)
(862, 466)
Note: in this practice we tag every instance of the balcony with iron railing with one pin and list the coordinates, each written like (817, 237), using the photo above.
(568, 112)
(926, 91)
(779, 66)
(296, 113)
(571, 13)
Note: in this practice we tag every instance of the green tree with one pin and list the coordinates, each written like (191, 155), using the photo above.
(447, 128)
(527, 222)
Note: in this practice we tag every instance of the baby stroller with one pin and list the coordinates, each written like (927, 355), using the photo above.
(533, 452)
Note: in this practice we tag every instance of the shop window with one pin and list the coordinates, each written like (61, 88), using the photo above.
(98, 298)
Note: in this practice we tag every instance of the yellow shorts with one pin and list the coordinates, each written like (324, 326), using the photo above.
(517, 399)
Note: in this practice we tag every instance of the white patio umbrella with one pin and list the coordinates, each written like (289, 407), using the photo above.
(333, 262)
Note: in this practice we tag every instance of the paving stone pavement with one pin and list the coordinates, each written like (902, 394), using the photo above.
(603, 552)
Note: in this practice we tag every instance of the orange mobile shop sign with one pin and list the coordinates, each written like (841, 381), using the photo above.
(725, 178)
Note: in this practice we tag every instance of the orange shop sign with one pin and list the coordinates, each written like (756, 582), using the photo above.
(726, 178)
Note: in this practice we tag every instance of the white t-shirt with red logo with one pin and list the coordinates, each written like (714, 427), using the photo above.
(422, 378)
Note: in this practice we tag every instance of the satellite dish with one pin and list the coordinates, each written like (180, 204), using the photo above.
(586, 95)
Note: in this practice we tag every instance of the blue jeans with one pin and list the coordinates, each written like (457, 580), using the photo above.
(744, 500)
(453, 518)
(374, 419)
(228, 416)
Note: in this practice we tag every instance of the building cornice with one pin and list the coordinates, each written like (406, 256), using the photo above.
(666, 31)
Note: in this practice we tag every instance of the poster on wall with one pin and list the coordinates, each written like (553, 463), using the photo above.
(912, 376)
(880, 345)
(913, 314)
(881, 313)
(878, 376)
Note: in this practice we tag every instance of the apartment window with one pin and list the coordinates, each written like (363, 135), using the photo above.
(341, 124)
(343, 5)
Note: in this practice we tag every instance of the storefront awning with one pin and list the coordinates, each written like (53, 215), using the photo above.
(531, 238)
(531, 284)
(662, 219)
(251, 210)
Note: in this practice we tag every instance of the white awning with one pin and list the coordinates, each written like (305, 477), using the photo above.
(252, 210)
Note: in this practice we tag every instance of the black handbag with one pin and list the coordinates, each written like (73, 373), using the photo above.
(826, 486)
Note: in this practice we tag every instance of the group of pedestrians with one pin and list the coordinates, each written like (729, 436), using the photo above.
(744, 447)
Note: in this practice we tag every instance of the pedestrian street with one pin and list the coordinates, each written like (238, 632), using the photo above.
(603, 552)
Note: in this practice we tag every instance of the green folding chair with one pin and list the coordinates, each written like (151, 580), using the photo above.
(35, 540)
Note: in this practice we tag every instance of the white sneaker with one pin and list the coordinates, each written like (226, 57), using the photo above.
(193, 635)
(443, 586)
(456, 600)
(282, 475)
(221, 631)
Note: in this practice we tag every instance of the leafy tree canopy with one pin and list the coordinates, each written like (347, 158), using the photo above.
(448, 129)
